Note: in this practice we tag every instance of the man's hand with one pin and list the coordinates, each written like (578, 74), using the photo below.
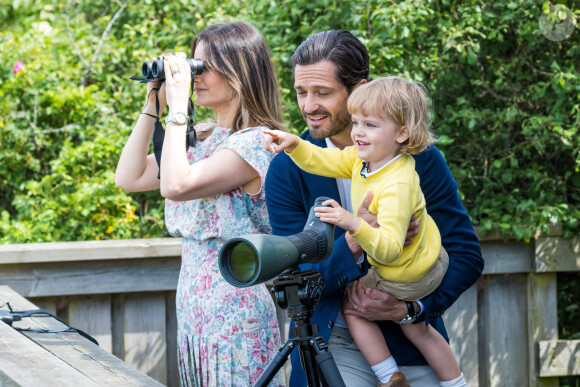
(411, 231)
(364, 213)
(373, 304)
(354, 247)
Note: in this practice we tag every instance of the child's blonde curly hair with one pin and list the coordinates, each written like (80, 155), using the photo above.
(404, 101)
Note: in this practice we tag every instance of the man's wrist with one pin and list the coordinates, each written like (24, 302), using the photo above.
(419, 307)
(411, 312)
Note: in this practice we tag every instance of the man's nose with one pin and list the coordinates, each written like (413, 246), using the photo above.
(311, 104)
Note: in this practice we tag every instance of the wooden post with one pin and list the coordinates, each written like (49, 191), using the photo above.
(503, 335)
(461, 321)
(542, 322)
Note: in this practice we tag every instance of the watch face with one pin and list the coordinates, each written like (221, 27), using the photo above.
(407, 320)
(178, 118)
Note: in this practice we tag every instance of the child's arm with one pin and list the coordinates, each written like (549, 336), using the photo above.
(277, 141)
(329, 162)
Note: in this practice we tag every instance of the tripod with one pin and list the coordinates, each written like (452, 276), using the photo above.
(299, 291)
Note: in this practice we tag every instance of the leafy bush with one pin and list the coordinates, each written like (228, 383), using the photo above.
(506, 101)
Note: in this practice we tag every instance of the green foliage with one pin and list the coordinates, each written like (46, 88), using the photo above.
(506, 101)
(569, 315)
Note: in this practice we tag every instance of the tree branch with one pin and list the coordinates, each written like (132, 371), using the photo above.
(70, 37)
(105, 33)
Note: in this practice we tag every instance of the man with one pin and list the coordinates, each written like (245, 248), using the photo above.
(327, 67)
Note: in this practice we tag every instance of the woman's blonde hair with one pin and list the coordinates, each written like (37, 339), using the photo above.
(238, 52)
(404, 101)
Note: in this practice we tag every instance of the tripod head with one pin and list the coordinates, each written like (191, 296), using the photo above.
(299, 292)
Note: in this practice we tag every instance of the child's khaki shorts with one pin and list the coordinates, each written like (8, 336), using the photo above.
(410, 291)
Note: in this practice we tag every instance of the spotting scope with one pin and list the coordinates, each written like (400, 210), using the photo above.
(255, 258)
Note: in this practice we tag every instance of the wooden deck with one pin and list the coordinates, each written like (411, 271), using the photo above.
(503, 329)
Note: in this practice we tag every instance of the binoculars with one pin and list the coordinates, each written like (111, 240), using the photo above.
(153, 70)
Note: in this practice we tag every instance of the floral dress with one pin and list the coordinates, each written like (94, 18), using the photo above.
(226, 335)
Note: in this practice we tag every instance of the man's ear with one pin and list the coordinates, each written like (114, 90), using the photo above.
(361, 82)
(403, 134)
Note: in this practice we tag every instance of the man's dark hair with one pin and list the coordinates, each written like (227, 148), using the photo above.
(340, 47)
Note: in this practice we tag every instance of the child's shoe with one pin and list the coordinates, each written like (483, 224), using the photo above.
(397, 380)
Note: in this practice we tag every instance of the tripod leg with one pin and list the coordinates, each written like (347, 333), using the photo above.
(307, 356)
(326, 363)
(276, 364)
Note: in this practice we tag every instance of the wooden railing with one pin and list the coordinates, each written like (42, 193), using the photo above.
(42, 351)
(503, 329)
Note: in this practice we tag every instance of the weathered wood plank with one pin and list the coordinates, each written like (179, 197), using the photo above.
(117, 325)
(542, 321)
(559, 357)
(89, 360)
(504, 258)
(145, 333)
(46, 303)
(94, 362)
(89, 250)
(503, 333)
(557, 254)
(171, 340)
(25, 363)
(461, 322)
(92, 277)
(92, 314)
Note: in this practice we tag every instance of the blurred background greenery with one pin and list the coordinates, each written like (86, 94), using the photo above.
(506, 98)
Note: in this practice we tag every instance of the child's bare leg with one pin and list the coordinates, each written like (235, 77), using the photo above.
(435, 349)
(369, 339)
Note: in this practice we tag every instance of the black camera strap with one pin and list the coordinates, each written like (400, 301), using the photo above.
(16, 315)
(191, 135)
(159, 131)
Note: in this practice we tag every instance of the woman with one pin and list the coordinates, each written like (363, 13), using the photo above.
(214, 192)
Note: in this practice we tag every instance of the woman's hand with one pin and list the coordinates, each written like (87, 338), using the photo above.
(337, 215)
(276, 141)
(178, 82)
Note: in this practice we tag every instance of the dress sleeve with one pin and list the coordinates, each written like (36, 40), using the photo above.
(249, 145)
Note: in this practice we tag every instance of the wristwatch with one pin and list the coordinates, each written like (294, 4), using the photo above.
(411, 315)
(178, 118)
